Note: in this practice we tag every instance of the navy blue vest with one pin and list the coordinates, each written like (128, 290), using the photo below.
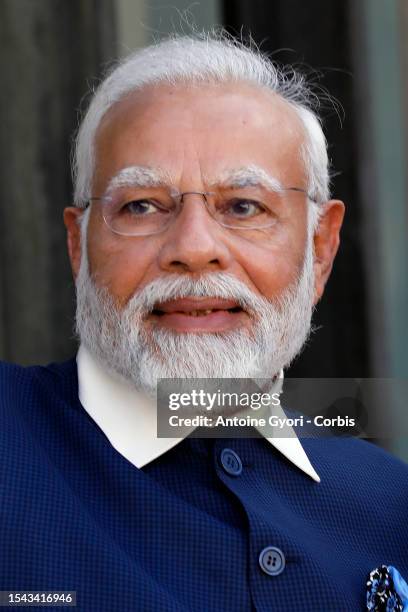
(185, 534)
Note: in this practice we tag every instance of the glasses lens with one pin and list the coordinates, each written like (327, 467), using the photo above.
(131, 214)
(247, 210)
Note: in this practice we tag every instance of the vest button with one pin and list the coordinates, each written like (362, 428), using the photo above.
(272, 560)
(231, 462)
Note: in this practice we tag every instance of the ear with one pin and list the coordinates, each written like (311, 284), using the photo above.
(326, 242)
(72, 215)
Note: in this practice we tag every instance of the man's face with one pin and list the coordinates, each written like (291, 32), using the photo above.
(195, 135)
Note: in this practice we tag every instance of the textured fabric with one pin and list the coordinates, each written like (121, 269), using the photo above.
(129, 418)
(181, 534)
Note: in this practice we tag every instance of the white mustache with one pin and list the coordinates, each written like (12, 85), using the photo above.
(214, 285)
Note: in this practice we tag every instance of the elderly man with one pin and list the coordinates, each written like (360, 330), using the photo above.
(201, 238)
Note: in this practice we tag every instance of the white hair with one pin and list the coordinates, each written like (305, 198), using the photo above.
(203, 58)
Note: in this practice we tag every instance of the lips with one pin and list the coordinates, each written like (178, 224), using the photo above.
(196, 306)
(198, 314)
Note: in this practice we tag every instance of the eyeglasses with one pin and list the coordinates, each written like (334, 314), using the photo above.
(128, 212)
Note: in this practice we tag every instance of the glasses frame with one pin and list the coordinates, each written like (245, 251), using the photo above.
(179, 203)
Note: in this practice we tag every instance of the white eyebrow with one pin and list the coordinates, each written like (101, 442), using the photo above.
(249, 176)
(139, 176)
(146, 176)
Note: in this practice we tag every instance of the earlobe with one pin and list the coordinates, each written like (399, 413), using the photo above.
(72, 216)
(326, 243)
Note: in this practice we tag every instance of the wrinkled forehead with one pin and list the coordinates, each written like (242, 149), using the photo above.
(224, 129)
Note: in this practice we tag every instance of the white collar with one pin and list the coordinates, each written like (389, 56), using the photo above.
(111, 402)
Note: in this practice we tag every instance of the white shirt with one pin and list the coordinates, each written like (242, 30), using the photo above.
(128, 418)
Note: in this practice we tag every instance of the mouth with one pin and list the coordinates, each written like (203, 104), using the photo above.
(199, 315)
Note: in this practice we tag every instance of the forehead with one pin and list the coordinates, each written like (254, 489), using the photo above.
(203, 130)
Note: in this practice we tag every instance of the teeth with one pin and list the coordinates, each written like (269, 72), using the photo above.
(199, 313)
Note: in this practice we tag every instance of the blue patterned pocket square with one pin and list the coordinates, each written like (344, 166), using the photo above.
(387, 590)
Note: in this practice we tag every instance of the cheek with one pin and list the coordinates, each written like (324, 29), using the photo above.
(121, 266)
(273, 266)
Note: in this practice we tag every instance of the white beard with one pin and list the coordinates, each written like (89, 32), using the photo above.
(121, 342)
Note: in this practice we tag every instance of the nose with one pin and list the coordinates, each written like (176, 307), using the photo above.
(195, 242)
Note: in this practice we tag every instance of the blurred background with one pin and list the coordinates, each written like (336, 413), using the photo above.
(54, 51)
